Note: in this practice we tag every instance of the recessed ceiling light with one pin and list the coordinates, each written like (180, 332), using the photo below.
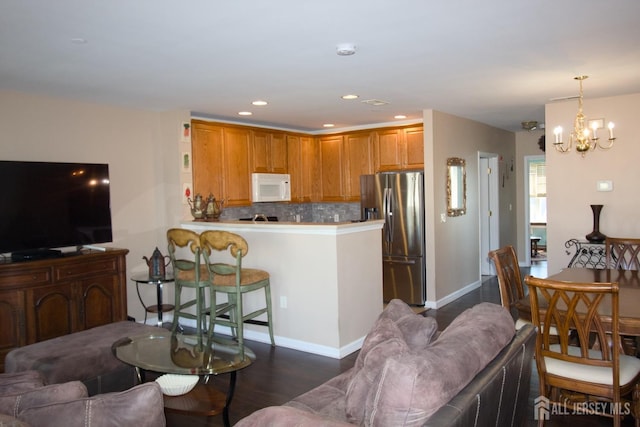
(328, 125)
(400, 116)
(259, 103)
(350, 96)
(78, 40)
(346, 49)
(245, 113)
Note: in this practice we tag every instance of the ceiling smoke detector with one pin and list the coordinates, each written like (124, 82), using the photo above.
(375, 102)
(346, 49)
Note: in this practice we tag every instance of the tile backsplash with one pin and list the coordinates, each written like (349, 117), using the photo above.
(306, 212)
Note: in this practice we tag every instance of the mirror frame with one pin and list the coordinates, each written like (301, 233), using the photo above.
(456, 186)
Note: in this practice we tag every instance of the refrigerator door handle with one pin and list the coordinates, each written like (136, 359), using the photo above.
(390, 213)
(407, 262)
(385, 213)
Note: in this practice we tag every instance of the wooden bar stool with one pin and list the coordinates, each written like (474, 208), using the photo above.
(189, 273)
(234, 281)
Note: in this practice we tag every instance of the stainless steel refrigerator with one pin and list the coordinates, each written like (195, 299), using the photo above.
(398, 198)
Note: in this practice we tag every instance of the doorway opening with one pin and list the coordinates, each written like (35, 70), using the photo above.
(535, 186)
(489, 210)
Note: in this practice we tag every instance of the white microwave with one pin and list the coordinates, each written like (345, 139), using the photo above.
(270, 187)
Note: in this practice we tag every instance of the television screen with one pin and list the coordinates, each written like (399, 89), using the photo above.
(46, 205)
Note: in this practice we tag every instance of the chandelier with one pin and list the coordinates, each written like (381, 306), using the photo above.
(585, 139)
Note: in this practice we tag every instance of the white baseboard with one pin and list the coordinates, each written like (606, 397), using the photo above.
(453, 296)
(263, 337)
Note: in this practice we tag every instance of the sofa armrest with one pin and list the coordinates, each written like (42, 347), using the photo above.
(286, 416)
(498, 395)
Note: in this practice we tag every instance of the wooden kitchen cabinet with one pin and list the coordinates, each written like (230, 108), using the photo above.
(302, 167)
(358, 148)
(414, 147)
(44, 299)
(236, 168)
(322, 168)
(332, 182)
(399, 149)
(207, 159)
(343, 158)
(269, 152)
(221, 162)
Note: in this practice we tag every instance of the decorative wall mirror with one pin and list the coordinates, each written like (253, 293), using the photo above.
(456, 187)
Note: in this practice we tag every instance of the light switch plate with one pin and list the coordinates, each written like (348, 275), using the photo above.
(599, 122)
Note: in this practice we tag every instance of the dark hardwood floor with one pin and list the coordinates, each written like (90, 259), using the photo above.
(279, 374)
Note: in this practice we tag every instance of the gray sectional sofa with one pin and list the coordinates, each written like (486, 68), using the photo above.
(75, 381)
(476, 372)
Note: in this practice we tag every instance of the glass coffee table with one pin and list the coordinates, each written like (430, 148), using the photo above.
(178, 353)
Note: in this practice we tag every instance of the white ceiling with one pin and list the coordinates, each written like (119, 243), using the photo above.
(496, 61)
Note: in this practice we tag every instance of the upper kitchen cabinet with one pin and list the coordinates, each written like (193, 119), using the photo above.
(399, 148)
(221, 162)
(269, 152)
(207, 147)
(358, 153)
(331, 161)
(302, 167)
(237, 171)
(343, 158)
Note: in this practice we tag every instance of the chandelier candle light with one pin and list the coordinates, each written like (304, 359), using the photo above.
(580, 135)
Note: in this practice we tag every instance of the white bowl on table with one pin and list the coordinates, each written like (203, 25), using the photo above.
(176, 385)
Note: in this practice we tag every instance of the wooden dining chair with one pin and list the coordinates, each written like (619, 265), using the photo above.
(622, 253)
(509, 280)
(571, 372)
(227, 276)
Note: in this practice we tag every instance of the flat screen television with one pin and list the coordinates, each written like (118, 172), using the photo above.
(45, 206)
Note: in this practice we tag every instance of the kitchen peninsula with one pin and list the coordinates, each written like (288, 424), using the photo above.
(326, 280)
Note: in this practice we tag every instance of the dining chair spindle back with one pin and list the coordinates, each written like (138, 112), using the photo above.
(622, 253)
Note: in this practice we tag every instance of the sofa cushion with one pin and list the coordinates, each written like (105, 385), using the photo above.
(9, 421)
(327, 400)
(382, 342)
(140, 406)
(412, 386)
(285, 416)
(416, 330)
(20, 381)
(12, 404)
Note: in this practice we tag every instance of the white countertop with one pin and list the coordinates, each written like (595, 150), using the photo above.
(345, 227)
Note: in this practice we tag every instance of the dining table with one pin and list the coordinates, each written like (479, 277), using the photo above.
(629, 295)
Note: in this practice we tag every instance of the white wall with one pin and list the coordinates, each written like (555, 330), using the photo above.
(141, 148)
(571, 178)
(453, 252)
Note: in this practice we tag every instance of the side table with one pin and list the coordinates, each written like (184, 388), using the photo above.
(586, 254)
(158, 282)
(534, 245)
